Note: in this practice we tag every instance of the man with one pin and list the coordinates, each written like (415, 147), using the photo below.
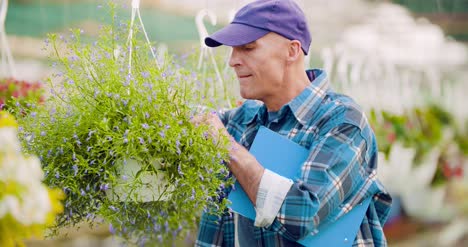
(269, 40)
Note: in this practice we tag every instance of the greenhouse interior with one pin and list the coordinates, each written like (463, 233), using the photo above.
(98, 145)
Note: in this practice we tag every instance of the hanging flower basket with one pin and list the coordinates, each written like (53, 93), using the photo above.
(118, 138)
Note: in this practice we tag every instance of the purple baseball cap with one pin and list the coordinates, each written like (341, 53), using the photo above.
(260, 17)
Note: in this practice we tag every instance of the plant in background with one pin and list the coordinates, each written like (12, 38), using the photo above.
(424, 129)
(118, 139)
(222, 92)
(21, 92)
(27, 206)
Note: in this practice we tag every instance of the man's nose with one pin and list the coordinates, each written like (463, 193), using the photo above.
(234, 59)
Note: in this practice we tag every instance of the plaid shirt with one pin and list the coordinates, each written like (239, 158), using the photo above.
(338, 174)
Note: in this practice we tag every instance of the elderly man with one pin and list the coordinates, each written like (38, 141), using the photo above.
(269, 40)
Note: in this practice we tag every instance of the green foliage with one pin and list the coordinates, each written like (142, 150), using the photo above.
(104, 115)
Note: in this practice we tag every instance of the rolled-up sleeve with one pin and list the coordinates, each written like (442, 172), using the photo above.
(272, 190)
(334, 173)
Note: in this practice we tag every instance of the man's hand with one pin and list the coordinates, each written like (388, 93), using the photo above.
(216, 129)
(242, 164)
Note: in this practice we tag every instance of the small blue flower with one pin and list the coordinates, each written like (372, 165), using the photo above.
(145, 126)
(104, 187)
(142, 141)
(145, 74)
(162, 134)
(179, 170)
(75, 169)
(43, 133)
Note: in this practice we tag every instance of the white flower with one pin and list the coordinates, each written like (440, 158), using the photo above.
(9, 140)
(33, 204)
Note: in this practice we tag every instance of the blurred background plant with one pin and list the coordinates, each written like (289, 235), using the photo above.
(27, 206)
(22, 92)
(425, 129)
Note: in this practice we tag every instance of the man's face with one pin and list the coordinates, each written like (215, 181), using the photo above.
(260, 67)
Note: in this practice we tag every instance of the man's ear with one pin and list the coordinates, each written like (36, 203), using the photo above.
(294, 50)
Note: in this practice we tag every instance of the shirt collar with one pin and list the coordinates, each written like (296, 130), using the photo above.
(302, 106)
(307, 102)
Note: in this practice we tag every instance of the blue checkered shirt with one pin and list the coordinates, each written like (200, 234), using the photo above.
(338, 174)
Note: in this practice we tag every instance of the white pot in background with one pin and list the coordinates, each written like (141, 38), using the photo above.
(413, 183)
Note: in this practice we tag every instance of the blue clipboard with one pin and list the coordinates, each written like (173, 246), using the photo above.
(274, 151)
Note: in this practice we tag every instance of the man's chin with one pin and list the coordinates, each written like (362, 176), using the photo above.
(246, 95)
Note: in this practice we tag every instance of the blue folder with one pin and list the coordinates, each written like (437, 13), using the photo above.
(285, 157)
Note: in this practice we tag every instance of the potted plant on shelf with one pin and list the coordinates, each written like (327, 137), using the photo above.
(420, 151)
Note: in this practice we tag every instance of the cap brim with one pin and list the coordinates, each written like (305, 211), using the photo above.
(235, 34)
